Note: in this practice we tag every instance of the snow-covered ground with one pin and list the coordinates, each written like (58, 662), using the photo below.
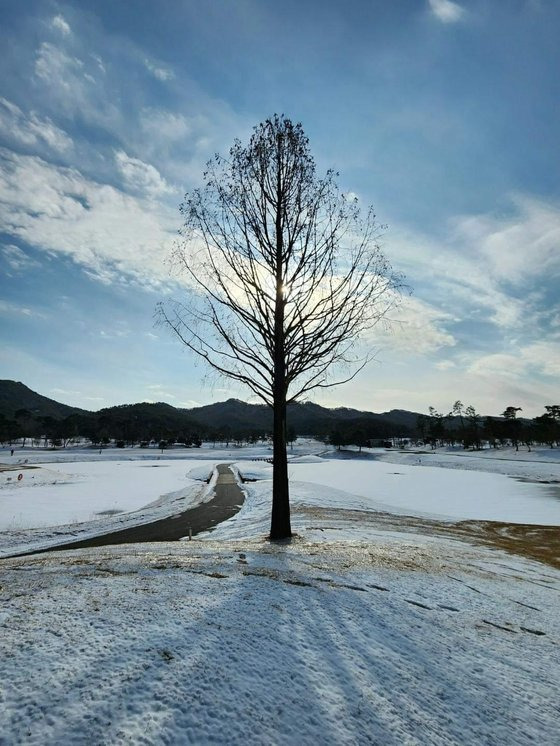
(75, 492)
(540, 463)
(247, 643)
(217, 452)
(436, 492)
(65, 502)
(79, 492)
(356, 632)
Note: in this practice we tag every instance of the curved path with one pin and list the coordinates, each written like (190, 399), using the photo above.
(227, 500)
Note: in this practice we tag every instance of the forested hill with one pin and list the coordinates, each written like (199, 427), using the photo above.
(16, 397)
(24, 413)
(19, 404)
(305, 418)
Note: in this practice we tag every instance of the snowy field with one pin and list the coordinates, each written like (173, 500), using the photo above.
(217, 452)
(75, 492)
(247, 643)
(79, 493)
(62, 502)
(539, 463)
(364, 629)
(437, 492)
(369, 484)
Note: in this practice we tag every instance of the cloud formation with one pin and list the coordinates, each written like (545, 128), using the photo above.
(446, 11)
(513, 247)
(159, 71)
(16, 259)
(487, 267)
(417, 129)
(60, 24)
(114, 236)
(141, 177)
(9, 309)
(30, 129)
(417, 326)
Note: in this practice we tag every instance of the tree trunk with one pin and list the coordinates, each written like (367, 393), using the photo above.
(280, 527)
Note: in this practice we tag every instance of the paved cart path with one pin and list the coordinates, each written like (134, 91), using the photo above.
(227, 500)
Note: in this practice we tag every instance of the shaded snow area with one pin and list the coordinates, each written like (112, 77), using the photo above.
(248, 643)
(83, 499)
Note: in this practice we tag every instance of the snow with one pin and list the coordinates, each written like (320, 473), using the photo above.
(253, 469)
(437, 492)
(80, 493)
(75, 492)
(541, 464)
(77, 500)
(220, 642)
(201, 473)
(366, 628)
(208, 451)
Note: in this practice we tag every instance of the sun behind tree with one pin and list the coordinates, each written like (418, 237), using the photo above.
(286, 275)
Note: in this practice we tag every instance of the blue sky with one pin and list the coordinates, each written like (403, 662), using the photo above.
(443, 115)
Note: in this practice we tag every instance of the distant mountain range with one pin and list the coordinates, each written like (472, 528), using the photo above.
(17, 401)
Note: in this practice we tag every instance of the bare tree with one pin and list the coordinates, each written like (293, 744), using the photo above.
(285, 275)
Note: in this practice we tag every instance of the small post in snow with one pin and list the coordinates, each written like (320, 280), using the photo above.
(190, 533)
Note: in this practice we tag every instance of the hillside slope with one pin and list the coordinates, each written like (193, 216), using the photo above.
(15, 395)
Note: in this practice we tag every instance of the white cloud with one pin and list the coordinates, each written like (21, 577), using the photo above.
(17, 259)
(31, 129)
(166, 125)
(78, 88)
(499, 365)
(159, 72)
(418, 327)
(543, 357)
(486, 267)
(115, 237)
(184, 143)
(526, 368)
(113, 334)
(446, 11)
(99, 62)
(65, 392)
(53, 65)
(189, 404)
(11, 309)
(445, 365)
(516, 246)
(157, 389)
(141, 177)
(60, 24)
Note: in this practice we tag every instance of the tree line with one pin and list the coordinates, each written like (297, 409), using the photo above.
(126, 425)
(162, 425)
(466, 427)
